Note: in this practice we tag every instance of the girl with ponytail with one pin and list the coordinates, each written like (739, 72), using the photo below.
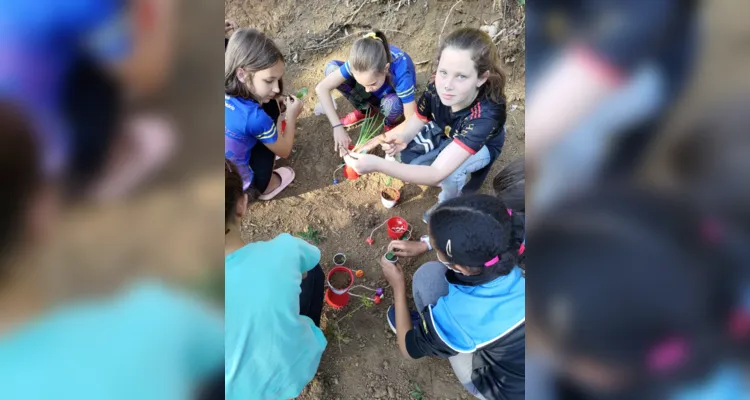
(378, 77)
(458, 129)
(470, 303)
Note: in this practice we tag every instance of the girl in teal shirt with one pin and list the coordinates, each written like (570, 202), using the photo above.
(146, 342)
(273, 302)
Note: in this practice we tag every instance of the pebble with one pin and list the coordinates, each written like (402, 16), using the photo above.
(385, 365)
(391, 392)
(335, 381)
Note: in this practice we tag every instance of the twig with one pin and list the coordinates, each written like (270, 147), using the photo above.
(446, 19)
(351, 17)
(422, 62)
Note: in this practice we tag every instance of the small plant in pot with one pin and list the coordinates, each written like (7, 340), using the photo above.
(389, 197)
(391, 257)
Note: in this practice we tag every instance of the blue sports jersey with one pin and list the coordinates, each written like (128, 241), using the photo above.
(38, 43)
(403, 75)
(245, 124)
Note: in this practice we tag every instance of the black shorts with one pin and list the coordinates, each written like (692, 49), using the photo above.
(92, 104)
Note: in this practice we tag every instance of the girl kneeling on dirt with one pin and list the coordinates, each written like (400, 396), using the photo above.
(459, 125)
(273, 343)
(377, 76)
(253, 68)
(472, 303)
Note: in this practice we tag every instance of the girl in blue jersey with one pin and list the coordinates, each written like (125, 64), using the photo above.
(377, 76)
(253, 71)
(471, 304)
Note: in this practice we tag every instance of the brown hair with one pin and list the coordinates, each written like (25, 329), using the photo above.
(486, 58)
(232, 190)
(20, 173)
(371, 54)
(253, 51)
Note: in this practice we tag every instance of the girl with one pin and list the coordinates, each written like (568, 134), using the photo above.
(148, 342)
(458, 127)
(472, 302)
(273, 343)
(376, 76)
(253, 69)
(509, 186)
(635, 300)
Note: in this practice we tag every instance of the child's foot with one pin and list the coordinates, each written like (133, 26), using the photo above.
(280, 179)
(415, 318)
(352, 118)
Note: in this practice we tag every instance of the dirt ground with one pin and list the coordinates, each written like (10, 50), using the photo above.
(362, 360)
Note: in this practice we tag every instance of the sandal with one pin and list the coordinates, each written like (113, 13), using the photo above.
(287, 176)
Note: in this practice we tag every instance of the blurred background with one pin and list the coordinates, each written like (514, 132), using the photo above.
(636, 150)
(110, 255)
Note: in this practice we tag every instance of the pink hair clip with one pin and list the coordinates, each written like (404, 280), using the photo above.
(492, 262)
(668, 355)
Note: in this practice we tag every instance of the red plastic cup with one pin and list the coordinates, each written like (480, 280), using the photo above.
(338, 298)
(393, 224)
(350, 173)
(337, 269)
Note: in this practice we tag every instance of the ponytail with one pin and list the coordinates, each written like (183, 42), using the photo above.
(486, 59)
(372, 52)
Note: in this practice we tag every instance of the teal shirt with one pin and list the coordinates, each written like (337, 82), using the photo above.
(272, 351)
(146, 343)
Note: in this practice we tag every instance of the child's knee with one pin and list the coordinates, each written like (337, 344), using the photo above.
(391, 107)
(430, 271)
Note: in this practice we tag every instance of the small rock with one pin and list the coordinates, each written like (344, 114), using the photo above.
(335, 381)
(385, 365)
(391, 392)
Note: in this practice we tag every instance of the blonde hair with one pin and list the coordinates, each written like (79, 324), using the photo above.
(253, 51)
(486, 58)
(371, 53)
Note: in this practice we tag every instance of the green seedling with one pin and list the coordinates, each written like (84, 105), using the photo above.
(311, 235)
(301, 93)
(369, 129)
(417, 393)
(367, 302)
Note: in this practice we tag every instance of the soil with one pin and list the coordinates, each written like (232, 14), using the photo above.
(362, 360)
(389, 194)
(340, 280)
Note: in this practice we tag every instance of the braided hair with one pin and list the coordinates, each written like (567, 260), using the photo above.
(479, 228)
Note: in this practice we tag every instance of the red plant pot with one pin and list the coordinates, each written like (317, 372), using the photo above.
(397, 227)
(350, 173)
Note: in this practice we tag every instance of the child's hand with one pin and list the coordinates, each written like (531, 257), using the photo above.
(293, 107)
(363, 163)
(393, 147)
(393, 274)
(229, 27)
(370, 144)
(406, 248)
(341, 140)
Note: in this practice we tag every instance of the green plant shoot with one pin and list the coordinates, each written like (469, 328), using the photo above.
(301, 93)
